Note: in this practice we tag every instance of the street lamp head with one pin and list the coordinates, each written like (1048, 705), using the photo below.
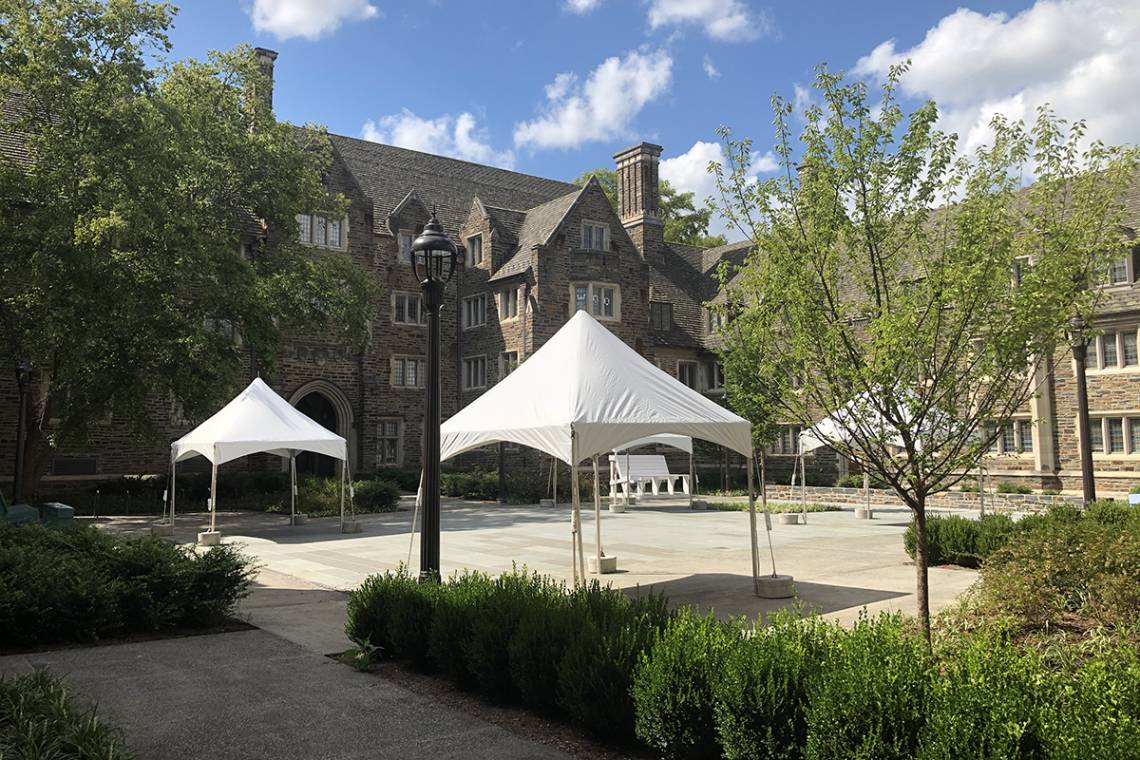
(433, 253)
(1077, 330)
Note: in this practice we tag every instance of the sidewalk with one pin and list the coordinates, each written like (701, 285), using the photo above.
(251, 694)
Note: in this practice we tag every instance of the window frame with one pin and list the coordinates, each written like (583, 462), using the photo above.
(503, 299)
(381, 437)
(694, 367)
(406, 295)
(309, 221)
(405, 256)
(476, 297)
(595, 226)
(662, 308)
(504, 363)
(1114, 336)
(421, 371)
(591, 286)
(470, 258)
(466, 384)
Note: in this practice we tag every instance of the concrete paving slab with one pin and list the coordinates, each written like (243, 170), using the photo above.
(250, 694)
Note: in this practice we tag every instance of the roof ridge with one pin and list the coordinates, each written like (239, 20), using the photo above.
(449, 158)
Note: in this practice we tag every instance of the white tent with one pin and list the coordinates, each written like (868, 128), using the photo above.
(839, 427)
(257, 421)
(586, 392)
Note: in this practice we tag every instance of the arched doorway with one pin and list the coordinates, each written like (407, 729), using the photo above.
(317, 407)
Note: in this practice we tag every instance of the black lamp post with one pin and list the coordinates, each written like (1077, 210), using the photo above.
(433, 260)
(23, 372)
(1080, 352)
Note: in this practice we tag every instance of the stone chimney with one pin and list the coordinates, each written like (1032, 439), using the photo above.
(639, 197)
(265, 60)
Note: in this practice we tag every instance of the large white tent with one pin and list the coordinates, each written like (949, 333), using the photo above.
(257, 421)
(585, 392)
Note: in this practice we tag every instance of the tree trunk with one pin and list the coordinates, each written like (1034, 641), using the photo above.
(922, 590)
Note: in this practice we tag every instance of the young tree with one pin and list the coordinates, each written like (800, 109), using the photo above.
(684, 222)
(122, 274)
(883, 282)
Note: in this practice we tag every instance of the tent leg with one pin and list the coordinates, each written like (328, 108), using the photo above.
(767, 516)
(597, 518)
(343, 475)
(574, 527)
(173, 487)
(803, 489)
(293, 489)
(213, 497)
(867, 488)
(692, 477)
(576, 516)
(752, 532)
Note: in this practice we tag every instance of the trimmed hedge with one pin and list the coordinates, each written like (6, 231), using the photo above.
(39, 718)
(689, 686)
(963, 541)
(81, 584)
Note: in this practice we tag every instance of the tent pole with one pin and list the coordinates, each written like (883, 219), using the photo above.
(173, 486)
(292, 489)
(752, 530)
(803, 488)
(343, 475)
(767, 515)
(213, 494)
(415, 516)
(574, 524)
(692, 477)
(597, 517)
(867, 488)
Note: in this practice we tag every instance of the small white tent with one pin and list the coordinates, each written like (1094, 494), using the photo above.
(586, 392)
(256, 421)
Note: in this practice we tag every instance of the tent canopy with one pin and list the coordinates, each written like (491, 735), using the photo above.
(859, 412)
(586, 392)
(682, 442)
(257, 421)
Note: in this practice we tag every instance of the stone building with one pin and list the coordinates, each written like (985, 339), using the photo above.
(535, 251)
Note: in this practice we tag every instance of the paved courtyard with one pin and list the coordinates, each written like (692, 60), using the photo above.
(840, 564)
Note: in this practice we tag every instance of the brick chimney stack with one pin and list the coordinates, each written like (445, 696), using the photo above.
(639, 197)
(265, 60)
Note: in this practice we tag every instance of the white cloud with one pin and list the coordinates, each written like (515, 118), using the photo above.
(600, 108)
(581, 6)
(310, 19)
(723, 20)
(458, 137)
(711, 71)
(1080, 56)
(688, 173)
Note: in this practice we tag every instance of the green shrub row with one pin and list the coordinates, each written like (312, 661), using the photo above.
(856, 481)
(39, 718)
(691, 686)
(81, 584)
(967, 542)
(516, 637)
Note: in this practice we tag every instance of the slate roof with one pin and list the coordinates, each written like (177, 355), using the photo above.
(386, 174)
(12, 142)
(538, 225)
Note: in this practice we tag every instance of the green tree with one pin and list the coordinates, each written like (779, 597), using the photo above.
(123, 274)
(882, 279)
(684, 222)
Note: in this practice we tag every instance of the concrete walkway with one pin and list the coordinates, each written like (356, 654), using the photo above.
(250, 694)
(840, 564)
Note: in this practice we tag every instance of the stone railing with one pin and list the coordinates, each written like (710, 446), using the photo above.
(1012, 502)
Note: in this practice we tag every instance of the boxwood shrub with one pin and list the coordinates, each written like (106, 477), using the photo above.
(82, 584)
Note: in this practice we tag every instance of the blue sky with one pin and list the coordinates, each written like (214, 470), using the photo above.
(556, 87)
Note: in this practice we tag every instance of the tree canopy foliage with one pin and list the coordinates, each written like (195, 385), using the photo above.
(149, 240)
(684, 222)
(914, 292)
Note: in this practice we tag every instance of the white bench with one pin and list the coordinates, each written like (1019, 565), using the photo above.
(636, 471)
